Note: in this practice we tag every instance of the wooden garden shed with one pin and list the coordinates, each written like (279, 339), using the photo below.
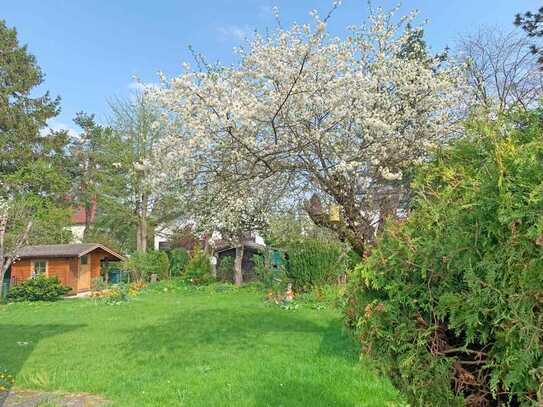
(75, 265)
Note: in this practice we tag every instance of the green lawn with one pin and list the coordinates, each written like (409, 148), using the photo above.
(189, 348)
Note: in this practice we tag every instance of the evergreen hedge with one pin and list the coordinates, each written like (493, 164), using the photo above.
(315, 262)
(450, 300)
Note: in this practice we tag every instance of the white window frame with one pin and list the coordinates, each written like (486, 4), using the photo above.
(34, 274)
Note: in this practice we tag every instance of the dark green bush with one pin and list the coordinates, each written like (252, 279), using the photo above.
(39, 288)
(274, 279)
(315, 262)
(199, 270)
(225, 269)
(141, 265)
(179, 259)
(450, 301)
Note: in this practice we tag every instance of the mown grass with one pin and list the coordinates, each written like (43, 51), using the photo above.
(189, 348)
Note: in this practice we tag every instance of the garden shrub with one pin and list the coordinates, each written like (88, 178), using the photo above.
(225, 269)
(315, 262)
(119, 293)
(7, 381)
(98, 284)
(450, 300)
(275, 280)
(39, 288)
(142, 264)
(199, 270)
(179, 259)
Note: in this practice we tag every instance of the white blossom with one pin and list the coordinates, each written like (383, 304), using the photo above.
(321, 113)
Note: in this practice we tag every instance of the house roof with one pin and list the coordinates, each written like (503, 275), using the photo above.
(79, 214)
(64, 250)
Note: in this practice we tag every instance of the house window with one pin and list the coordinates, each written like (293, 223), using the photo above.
(84, 260)
(39, 267)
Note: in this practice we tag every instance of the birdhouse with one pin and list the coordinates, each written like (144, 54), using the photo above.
(334, 214)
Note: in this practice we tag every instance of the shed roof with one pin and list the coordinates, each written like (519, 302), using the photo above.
(224, 246)
(64, 250)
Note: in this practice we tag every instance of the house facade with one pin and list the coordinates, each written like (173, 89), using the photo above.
(75, 265)
(78, 220)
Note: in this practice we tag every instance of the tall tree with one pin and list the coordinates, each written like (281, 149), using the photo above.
(127, 161)
(85, 151)
(532, 24)
(343, 118)
(31, 176)
(23, 116)
(502, 71)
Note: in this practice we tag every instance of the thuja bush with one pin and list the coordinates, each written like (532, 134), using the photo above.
(179, 258)
(450, 300)
(198, 270)
(225, 269)
(315, 262)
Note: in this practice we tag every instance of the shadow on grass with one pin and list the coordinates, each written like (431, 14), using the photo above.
(259, 333)
(17, 342)
(236, 330)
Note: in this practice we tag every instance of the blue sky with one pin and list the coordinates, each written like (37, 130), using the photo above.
(90, 50)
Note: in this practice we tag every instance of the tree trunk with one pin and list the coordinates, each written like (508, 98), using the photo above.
(2, 258)
(357, 237)
(141, 235)
(141, 241)
(88, 214)
(6, 259)
(238, 263)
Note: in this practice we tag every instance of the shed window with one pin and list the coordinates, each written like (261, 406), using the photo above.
(39, 267)
(84, 260)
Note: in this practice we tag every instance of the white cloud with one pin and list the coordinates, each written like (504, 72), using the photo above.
(234, 32)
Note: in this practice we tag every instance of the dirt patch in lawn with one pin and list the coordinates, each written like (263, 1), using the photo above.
(31, 398)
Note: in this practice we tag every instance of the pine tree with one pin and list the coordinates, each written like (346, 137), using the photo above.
(25, 152)
(532, 24)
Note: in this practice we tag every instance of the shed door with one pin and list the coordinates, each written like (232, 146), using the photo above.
(84, 274)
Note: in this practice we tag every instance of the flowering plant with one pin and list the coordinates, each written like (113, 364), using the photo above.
(311, 112)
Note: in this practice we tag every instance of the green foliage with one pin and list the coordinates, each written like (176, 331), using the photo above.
(450, 300)
(198, 270)
(6, 380)
(23, 115)
(39, 288)
(288, 227)
(314, 262)
(179, 258)
(273, 278)
(225, 269)
(141, 265)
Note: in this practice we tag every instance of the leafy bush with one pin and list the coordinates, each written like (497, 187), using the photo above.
(225, 269)
(112, 296)
(450, 301)
(6, 381)
(39, 288)
(275, 280)
(119, 293)
(315, 262)
(179, 258)
(142, 265)
(198, 270)
(98, 284)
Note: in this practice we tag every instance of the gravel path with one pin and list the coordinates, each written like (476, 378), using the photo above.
(31, 398)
